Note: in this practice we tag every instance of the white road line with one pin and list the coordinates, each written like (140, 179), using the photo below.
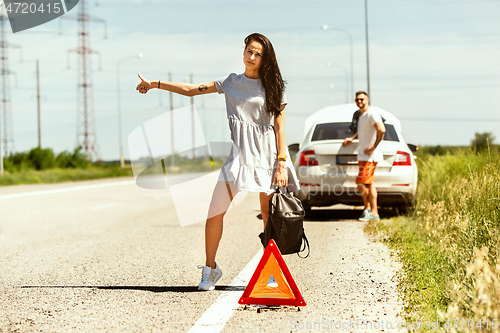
(105, 206)
(217, 315)
(66, 189)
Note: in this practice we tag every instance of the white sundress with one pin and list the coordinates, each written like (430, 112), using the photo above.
(253, 158)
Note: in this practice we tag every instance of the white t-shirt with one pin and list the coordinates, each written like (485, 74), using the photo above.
(367, 135)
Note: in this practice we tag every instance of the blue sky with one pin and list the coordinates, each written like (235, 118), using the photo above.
(434, 64)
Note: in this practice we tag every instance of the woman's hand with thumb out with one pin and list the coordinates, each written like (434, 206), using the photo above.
(144, 85)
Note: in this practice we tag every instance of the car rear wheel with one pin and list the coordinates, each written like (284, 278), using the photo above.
(402, 209)
(405, 208)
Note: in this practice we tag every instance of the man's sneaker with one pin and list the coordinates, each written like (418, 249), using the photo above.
(364, 216)
(209, 276)
(373, 218)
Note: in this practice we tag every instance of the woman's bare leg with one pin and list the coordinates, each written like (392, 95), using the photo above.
(221, 199)
(264, 205)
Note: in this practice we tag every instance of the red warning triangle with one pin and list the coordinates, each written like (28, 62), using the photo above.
(262, 291)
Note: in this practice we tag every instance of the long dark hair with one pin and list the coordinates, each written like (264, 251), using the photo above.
(269, 73)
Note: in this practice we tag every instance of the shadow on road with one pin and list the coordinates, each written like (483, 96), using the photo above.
(155, 289)
(332, 215)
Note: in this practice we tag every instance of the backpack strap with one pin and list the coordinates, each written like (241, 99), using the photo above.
(304, 242)
(354, 122)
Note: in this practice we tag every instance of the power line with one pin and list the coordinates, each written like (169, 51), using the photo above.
(6, 126)
(486, 120)
(86, 133)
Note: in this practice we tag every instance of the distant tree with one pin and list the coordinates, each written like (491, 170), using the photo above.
(482, 141)
(17, 162)
(74, 160)
(42, 159)
(437, 150)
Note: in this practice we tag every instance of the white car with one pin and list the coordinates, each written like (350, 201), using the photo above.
(327, 170)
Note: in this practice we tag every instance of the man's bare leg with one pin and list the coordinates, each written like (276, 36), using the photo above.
(363, 190)
(372, 198)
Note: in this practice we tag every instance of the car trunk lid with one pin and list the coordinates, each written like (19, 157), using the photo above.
(345, 158)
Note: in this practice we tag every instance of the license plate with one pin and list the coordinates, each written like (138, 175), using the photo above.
(347, 160)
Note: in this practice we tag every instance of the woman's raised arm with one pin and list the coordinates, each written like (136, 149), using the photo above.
(185, 89)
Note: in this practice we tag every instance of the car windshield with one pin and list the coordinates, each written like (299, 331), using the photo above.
(340, 131)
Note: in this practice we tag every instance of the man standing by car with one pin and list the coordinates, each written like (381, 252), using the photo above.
(370, 131)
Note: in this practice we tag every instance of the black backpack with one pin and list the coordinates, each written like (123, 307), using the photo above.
(354, 122)
(286, 224)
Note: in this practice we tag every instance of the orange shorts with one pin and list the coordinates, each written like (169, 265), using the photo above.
(366, 172)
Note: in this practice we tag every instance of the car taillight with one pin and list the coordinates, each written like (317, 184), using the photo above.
(402, 158)
(308, 158)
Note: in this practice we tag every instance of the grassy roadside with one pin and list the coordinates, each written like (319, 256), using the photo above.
(58, 175)
(449, 246)
(44, 166)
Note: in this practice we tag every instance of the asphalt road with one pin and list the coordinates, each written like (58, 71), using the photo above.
(108, 256)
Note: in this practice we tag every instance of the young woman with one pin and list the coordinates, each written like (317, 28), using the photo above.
(259, 159)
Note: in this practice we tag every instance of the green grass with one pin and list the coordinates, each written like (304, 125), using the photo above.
(457, 213)
(200, 164)
(62, 175)
(425, 270)
(57, 175)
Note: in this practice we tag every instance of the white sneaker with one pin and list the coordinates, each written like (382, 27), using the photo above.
(365, 215)
(209, 276)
